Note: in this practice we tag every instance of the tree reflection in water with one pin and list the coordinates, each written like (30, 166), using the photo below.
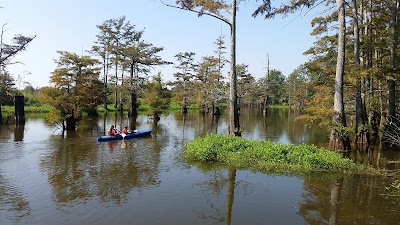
(213, 188)
(349, 200)
(79, 170)
(84, 176)
(230, 195)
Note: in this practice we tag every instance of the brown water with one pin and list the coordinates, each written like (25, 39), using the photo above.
(47, 177)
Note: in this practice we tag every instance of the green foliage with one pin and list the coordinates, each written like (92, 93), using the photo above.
(343, 132)
(77, 88)
(363, 128)
(53, 117)
(7, 109)
(208, 86)
(6, 88)
(31, 96)
(275, 82)
(29, 109)
(57, 98)
(296, 87)
(394, 188)
(157, 96)
(9, 51)
(245, 83)
(318, 110)
(265, 155)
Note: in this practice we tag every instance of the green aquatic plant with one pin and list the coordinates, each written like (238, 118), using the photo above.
(394, 188)
(265, 155)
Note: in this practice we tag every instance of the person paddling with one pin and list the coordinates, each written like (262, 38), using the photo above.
(125, 130)
(112, 131)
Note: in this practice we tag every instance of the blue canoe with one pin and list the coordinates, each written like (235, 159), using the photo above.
(139, 133)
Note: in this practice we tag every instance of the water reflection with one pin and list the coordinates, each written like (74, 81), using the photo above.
(142, 181)
(213, 189)
(79, 169)
(281, 125)
(230, 195)
(13, 204)
(5, 132)
(19, 132)
(349, 200)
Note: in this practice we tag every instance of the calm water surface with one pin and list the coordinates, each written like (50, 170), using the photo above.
(47, 177)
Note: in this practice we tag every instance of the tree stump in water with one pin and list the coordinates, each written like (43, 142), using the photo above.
(19, 110)
(1, 116)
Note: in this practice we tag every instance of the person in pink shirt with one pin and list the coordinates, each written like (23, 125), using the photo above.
(112, 131)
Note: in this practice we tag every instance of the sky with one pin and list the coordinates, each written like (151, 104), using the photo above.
(71, 26)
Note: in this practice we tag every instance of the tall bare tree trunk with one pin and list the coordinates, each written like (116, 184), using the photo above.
(105, 72)
(121, 101)
(392, 49)
(265, 109)
(234, 126)
(133, 95)
(360, 128)
(370, 89)
(116, 86)
(184, 100)
(338, 141)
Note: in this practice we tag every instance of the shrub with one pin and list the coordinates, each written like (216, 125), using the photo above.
(265, 155)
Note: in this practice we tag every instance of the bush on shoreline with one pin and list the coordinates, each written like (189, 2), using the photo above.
(265, 155)
(29, 109)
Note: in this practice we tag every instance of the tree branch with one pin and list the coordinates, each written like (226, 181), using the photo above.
(15, 51)
(223, 19)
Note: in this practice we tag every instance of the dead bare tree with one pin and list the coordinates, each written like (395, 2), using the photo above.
(391, 133)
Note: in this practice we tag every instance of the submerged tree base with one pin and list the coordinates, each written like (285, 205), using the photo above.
(265, 155)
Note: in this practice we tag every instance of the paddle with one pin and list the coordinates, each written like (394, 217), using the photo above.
(123, 136)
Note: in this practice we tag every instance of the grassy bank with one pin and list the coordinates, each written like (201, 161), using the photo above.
(28, 109)
(265, 156)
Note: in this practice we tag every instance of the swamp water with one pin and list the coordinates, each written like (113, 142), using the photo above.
(47, 177)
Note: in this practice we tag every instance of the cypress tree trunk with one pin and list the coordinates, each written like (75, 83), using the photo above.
(105, 71)
(133, 106)
(184, 105)
(339, 141)
(372, 114)
(392, 50)
(217, 111)
(132, 122)
(116, 87)
(234, 126)
(70, 123)
(265, 109)
(133, 98)
(360, 131)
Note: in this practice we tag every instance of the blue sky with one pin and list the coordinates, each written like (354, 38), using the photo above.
(71, 26)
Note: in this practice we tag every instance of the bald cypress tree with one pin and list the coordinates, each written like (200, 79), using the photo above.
(227, 14)
(18, 44)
